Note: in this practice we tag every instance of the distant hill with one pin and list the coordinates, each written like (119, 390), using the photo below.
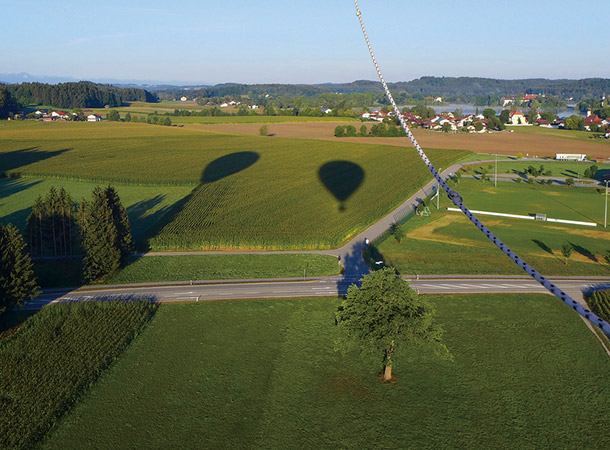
(465, 87)
(83, 94)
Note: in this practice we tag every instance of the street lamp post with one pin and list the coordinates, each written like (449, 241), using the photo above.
(496, 173)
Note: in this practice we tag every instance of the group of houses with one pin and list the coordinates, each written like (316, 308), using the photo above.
(438, 122)
(469, 122)
(64, 116)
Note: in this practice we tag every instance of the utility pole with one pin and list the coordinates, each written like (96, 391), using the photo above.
(438, 191)
(606, 206)
(496, 173)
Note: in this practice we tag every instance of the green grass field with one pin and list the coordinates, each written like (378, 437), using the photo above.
(564, 134)
(216, 267)
(558, 168)
(446, 242)
(254, 192)
(263, 374)
(67, 273)
(145, 204)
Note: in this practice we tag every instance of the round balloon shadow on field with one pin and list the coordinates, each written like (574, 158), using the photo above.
(341, 179)
(228, 165)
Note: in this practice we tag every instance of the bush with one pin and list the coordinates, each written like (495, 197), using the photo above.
(339, 131)
(264, 130)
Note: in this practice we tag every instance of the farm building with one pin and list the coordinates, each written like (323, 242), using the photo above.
(94, 118)
(570, 157)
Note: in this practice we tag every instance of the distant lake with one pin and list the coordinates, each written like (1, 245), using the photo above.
(471, 109)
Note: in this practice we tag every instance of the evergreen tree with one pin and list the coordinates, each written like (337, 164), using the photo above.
(98, 237)
(50, 224)
(124, 241)
(17, 280)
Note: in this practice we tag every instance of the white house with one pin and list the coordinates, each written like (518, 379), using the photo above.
(508, 101)
(183, 99)
(59, 115)
(94, 118)
(516, 118)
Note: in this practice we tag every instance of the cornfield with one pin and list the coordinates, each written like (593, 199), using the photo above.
(55, 357)
(599, 301)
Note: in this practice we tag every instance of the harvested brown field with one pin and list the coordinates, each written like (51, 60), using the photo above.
(504, 143)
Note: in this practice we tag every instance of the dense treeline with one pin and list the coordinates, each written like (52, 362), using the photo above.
(98, 228)
(8, 105)
(456, 89)
(83, 94)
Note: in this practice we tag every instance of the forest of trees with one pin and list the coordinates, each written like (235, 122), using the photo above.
(83, 94)
(98, 229)
(363, 93)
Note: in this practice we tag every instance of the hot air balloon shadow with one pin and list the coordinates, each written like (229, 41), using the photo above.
(228, 165)
(341, 179)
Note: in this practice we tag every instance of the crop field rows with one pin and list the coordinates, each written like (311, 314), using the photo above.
(284, 194)
(55, 357)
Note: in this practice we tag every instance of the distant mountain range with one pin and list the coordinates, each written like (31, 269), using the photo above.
(13, 78)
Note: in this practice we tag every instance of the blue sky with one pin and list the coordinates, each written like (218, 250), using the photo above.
(310, 41)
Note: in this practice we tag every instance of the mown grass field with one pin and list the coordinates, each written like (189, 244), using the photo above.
(263, 374)
(67, 273)
(446, 242)
(573, 169)
(54, 357)
(253, 192)
(563, 134)
(207, 267)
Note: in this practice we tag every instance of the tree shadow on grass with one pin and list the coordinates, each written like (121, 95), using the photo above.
(10, 186)
(543, 246)
(17, 218)
(9, 161)
(584, 252)
(354, 268)
(341, 179)
(11, 321)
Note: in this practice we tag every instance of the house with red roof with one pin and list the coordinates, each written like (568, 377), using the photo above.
(516, 118)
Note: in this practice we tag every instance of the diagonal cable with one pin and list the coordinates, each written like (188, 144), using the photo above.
(457, 201)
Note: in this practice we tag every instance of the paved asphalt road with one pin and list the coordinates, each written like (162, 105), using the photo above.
(315, 287)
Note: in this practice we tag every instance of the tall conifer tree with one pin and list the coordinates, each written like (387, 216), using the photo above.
(119, 216)
(98, 237)
(17, 279)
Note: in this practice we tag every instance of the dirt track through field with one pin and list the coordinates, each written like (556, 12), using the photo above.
(504, 143)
